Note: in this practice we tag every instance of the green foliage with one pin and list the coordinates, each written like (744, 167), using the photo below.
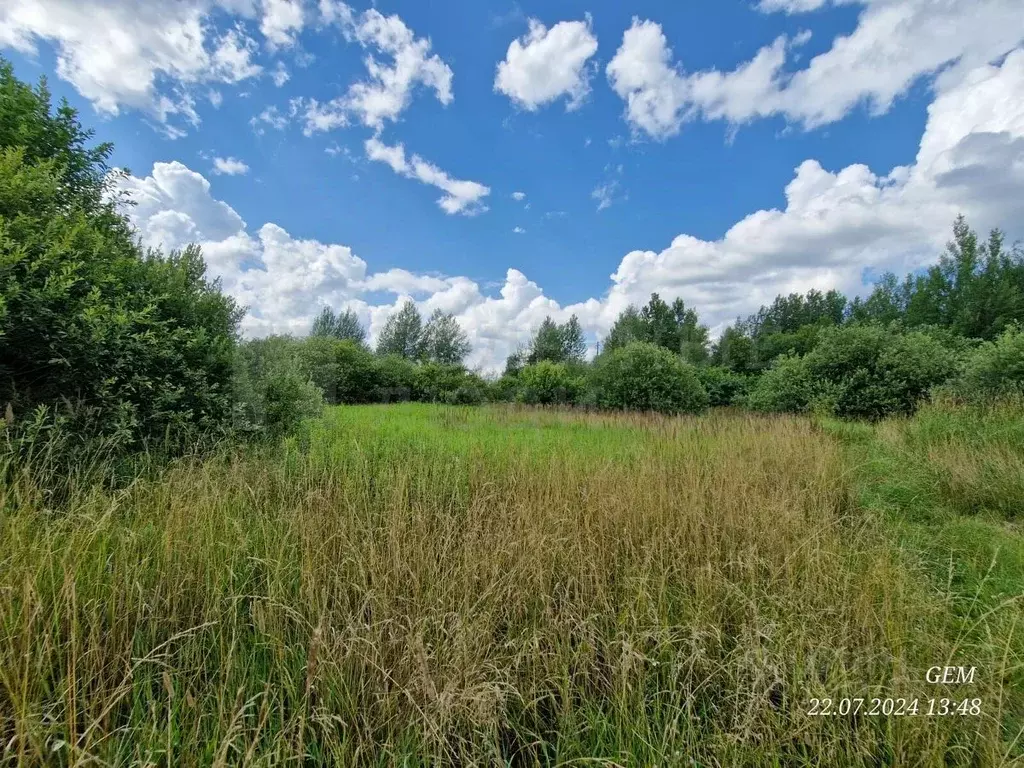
(356, 373)
(724, 387)
(735, 351)
(401, 333)
(629, 326)
(345, 326)
(645, 377)
(786, 386)
(859, 371)
(976, 289)
(548, 383)
(553, 343)
(142, 342)
(993, 371)
(441, 383)
(394, 379)
(273, 392)
(870, 372)
(676, 328)
(443, 341)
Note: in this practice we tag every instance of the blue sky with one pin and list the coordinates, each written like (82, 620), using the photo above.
(722, 151)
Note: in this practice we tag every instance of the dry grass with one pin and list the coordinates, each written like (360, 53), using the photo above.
(418, 585)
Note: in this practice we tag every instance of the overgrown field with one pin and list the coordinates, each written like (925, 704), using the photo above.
(424, 585)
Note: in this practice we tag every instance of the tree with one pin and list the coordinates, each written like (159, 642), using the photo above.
(628, 327)
(661, 325)
(547, 344)
(574, 346)
(140, 343)
(401, 333)
(645, 377)
(693, 337)
(735, 351)
(443, 340)
(343, 326)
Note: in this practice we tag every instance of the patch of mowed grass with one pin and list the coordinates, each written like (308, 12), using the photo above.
(424, 585)
(948, 485)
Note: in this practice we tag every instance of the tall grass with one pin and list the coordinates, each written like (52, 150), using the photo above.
(422, 585)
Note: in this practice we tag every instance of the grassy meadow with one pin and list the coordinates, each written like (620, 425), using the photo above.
(431, 585)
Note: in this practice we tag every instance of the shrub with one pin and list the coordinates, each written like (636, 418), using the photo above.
(995, 370)
(472, 392)
(273, 393)
(141, 341)
(786, 386)
(868, 371)
(357, 373)
(548, 383)
(394, 379)
(724, 387)
(645, 377)
(437, 383)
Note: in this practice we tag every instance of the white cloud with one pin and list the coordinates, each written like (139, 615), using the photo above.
(464, 197)
(547, 64)
(518, 230)
(121, 53)
(834, 225)
(215, 97)
(605, 194)
(271, 117)
(229, 166)
(388, 90)
(282, 21)
(519, 196)
(893, 46)
(317, 117)
(280, 75)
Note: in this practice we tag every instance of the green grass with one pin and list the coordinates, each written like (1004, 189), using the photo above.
(420, 585)
(948, 485)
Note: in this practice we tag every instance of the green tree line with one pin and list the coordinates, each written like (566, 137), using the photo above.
(116, 342)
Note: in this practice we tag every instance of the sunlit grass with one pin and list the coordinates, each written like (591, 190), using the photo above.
(424, 585)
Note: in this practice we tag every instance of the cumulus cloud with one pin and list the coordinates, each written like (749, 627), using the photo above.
(229, 166)
(519, 196)
(145, 56)
(835, 224)
(282, 21)
(893, 46)
(387, 91)
(546, 64)
(463, 197)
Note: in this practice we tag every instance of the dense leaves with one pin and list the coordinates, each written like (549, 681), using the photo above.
(645, 377)
(89, 322)
(549, 383)
(861, 371)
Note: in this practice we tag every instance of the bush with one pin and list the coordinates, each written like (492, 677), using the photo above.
(724, 387)
(786, 386)
(548, 383)
(273, 393)
(357, 373)
(870, 372)
(89, 322)
(438, 383)
(860, 371)
(394, 379)
(645, 377)
(993, 371)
